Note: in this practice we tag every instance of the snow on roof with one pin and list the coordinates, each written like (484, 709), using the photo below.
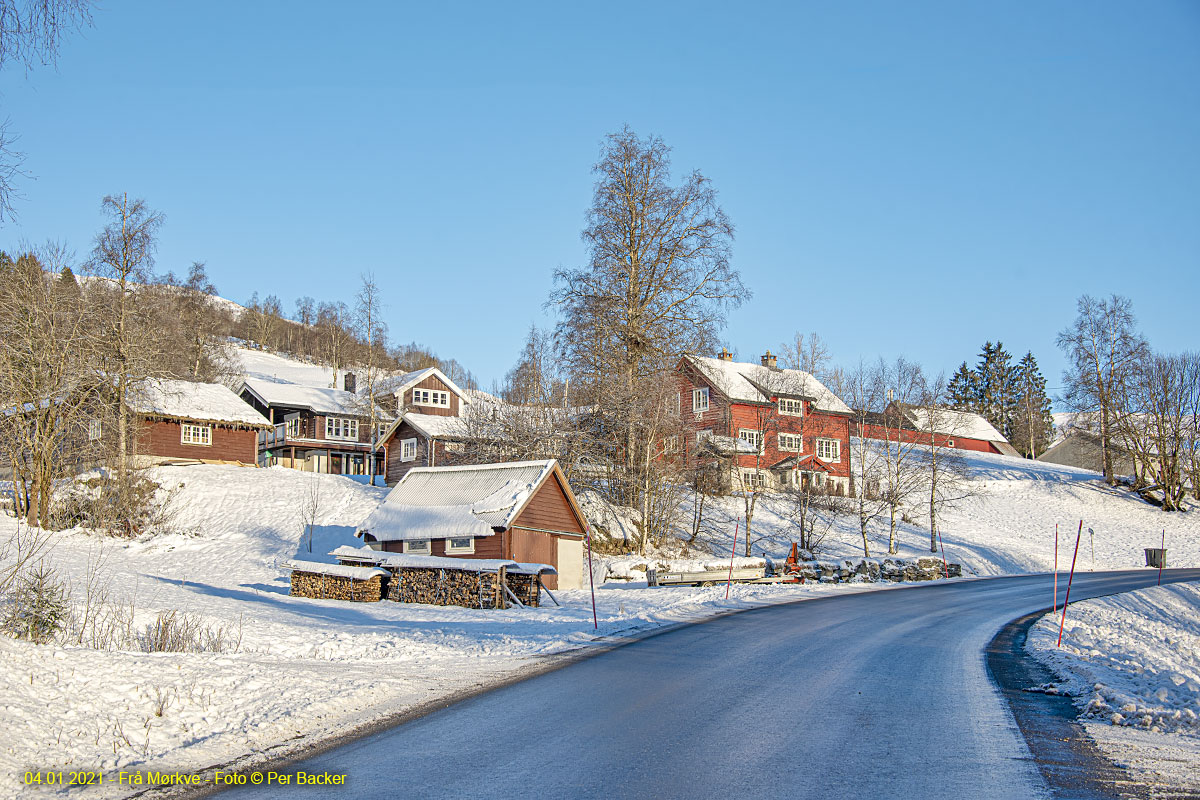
(529, 568)
(320, 401)
(954, 423)
(401, 560)
(437, 426)
(335, 570)
(729, 445)
(754, 383)
(402, 383)
(444, 502)
(202, 402)
(347, 552)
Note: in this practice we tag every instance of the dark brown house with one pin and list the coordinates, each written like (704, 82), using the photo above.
(313, 429)
(430, 426)
(523, 511)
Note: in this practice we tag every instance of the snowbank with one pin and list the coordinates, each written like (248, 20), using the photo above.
(1133, 663)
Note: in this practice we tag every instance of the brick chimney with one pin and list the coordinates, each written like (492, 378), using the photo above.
(349, 382)
(725, 355)
(769, 361)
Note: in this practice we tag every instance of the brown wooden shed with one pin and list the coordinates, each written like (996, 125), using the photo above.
(523, 511)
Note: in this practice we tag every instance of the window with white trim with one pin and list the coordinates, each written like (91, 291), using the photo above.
(195, 434)
(677, 407)
(431, 397)
(341, 428)
(408, 449)
(829, 450)
(95, 430)
(754, 480)
(463, 545)
(791, 442)
(791, 407)
(752, 437)
(700, 399)
(292, 429)
(671, 444)
(418, 547)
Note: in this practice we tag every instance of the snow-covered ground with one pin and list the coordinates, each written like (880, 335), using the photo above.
(281, 369)
(307, 669)
(1133, 663)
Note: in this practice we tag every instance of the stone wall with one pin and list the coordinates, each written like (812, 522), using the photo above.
(870, 570)
(336, 587)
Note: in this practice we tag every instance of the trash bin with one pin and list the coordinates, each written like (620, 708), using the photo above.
(1156, 557)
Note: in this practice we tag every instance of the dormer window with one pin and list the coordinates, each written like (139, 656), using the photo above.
(790, 407)
(431, 397)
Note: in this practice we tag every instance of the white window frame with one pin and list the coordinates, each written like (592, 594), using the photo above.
(431, 397)
(405, 453)
(670, 445)
(340, 427)
(700, 400)
(791, 407)
(752, 437)
(753, 480)
(451, 548)
(292, 427)
(791, 443)
(821, 446)
(199, 435)
(95, 430)
(418, 547)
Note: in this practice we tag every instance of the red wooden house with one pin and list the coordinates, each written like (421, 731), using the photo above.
(942, 427)
(184, 421)
(773, 427)
(523, 511)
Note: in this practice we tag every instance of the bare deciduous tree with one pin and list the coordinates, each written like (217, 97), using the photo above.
(1105, 350)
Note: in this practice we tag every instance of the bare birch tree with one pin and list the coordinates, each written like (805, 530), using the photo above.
(658, 283)
(1104, 349)
(372, 332)
(903, 384)
(948, 478)
(863, 390)
(124, 253)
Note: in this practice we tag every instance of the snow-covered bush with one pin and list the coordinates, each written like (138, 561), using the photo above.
(127, 505)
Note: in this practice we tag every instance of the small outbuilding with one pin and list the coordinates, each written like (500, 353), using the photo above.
(187, 421)
(521, 511)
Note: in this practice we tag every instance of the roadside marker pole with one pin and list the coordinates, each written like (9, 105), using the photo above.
(1055, 569)
(1092, 539)
(732, 553)
(1067, 599)
(592, 579)
(1162, 557)
(945, 567)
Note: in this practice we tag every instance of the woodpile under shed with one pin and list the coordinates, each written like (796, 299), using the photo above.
(336, 582)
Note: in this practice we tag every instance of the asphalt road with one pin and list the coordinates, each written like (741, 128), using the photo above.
(877, 695)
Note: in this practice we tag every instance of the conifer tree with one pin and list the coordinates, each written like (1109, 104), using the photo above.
(1033, 426)
(964, 389)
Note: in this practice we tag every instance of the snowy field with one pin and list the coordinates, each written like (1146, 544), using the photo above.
(296, 670)
(1132, 661)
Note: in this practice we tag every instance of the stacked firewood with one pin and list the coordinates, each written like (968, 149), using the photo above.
(336, 587)
(444, 587)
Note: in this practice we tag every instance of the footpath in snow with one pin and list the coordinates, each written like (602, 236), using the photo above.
(1132, 661)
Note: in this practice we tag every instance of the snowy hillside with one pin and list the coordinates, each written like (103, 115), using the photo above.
(281, 369)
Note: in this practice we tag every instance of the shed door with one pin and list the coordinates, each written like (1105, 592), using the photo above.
(533, 547)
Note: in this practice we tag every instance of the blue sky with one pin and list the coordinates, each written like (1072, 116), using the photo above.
(905, 178)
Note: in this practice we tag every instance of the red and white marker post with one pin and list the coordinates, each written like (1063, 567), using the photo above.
(1162, 557)
(592, 579)
(1070, 578)
(1055, 608)
(732, 553)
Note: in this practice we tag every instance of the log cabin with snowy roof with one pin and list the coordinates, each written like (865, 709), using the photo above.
(938, 426)
(767, 427)
(187, 422)
(524, 511)
(430, 425)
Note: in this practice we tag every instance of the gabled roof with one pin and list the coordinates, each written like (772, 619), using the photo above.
(199, 402)
(473, 500)
(949, 422)
(293, 395)
(753, 383)
(402, 383)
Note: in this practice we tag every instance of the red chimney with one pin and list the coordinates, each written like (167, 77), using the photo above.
(725, 355)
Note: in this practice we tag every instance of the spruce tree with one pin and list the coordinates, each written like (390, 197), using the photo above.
(1033, 425)
(997, 387)
(964, 389)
